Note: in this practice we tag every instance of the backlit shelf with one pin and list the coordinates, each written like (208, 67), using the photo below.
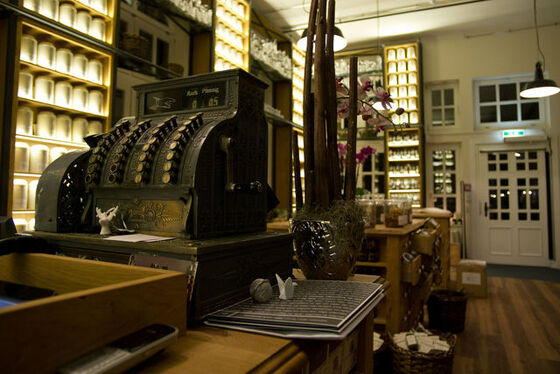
(27, 175)
(405, 191)
(404, 145)
(404, 175)
(227, 59)
(38, 103)
(42, 140)
(57, 74)
(403, 160)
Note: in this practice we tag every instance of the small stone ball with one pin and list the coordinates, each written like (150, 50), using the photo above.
(260, 290)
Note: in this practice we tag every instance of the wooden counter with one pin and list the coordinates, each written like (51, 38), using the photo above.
(213, 350)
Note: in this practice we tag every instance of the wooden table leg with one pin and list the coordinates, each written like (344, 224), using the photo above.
(365, 345)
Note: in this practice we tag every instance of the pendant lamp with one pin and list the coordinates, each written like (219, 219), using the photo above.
(539, 87)
(339, 43)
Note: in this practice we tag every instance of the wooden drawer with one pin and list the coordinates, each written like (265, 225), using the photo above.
(95, 303)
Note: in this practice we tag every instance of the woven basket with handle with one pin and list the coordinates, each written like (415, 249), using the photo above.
(406, 361)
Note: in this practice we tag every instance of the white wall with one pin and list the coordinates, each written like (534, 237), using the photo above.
(456, 57)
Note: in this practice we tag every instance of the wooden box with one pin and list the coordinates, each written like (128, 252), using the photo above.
(96, 303)
(424, 242)
(411, 270)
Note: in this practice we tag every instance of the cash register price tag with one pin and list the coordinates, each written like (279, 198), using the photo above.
(196, 97)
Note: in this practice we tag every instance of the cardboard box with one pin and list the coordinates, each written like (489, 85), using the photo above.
(471, 277)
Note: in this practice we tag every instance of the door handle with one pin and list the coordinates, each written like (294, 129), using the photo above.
(485, 209)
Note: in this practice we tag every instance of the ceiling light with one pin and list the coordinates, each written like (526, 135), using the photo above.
(339, 43)
(539, 87)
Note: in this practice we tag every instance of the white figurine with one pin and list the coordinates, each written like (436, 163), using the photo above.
(105, 219)
(286, 288)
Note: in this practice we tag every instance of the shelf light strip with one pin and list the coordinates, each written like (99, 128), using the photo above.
(36, 139)
(27, 175)
(62, 108)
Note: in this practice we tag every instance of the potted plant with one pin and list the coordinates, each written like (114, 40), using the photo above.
(328, 227)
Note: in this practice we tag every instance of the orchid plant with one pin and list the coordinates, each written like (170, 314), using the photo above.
(361, 159)
(368, 96)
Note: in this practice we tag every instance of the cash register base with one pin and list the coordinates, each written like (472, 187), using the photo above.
(219, 270)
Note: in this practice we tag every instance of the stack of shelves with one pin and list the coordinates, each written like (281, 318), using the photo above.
(63, 91)
(404, 147)
(93, 18)
(298, 72)
(231, 33)
(404, 164)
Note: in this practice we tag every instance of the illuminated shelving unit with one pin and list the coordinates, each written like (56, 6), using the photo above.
(404, 161)
(94, 18)
(231, 35)
(404, 164)
(298, 68)
(64, 89)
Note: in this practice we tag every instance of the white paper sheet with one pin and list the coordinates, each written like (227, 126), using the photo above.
(135, 238)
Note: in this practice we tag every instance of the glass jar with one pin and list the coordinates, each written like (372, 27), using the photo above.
(379, 211)
(369, 208)
(395, 215)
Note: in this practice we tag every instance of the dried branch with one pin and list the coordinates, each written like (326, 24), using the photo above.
(297, 171)
(350, 175)
(320, 144)
(308, 120)
(334, 166)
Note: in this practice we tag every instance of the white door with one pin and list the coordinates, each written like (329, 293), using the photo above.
(513, 223)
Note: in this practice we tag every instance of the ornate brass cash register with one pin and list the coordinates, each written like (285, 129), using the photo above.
(193, 164)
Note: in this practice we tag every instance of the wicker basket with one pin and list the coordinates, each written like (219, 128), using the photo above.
(137, 45)
(406, 361)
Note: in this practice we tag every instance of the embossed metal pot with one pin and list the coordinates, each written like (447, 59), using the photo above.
(324, 251)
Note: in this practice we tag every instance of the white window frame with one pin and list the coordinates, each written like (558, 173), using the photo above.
(441, 86)
(518, 79)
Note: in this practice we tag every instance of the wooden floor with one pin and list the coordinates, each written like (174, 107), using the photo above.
(515, 330)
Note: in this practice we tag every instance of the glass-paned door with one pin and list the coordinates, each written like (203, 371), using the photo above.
(513, 222)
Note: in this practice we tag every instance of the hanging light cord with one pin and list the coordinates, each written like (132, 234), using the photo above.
(537, 32)
(378, 36)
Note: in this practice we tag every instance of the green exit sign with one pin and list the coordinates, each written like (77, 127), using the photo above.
(513, 133)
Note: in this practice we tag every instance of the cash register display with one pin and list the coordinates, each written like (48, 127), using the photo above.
(195, 98)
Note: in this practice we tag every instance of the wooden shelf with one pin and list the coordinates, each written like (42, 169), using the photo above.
(40, 104)
(397, 145)
(41, 140)
(405, 176)
(226, 58)
(57, 74)
(409, 160)
(391, 244)
(230, 43)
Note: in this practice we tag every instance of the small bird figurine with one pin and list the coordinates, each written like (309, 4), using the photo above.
(286, 288)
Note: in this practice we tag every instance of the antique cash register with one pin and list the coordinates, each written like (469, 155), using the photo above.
(191, 164)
